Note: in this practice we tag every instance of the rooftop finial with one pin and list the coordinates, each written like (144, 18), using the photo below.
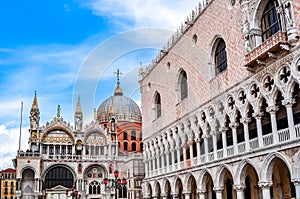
(118, 73)
(118, 90)
(58, 111)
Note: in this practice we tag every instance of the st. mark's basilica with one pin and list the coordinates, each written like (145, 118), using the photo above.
(220, 112)
(94, 161)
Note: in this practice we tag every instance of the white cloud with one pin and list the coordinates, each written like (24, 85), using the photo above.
(151, 13)
(9, 143)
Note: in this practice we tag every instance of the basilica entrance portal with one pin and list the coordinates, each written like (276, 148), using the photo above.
(57, 181)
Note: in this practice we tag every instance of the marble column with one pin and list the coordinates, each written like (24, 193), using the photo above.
(205, 137)
(265, 186)
(297, 187)
(214, 136)
(224, 140)
(240, 194)
(201, 194)
(198, 149)
(167, 156)
(272, 110)
(245, 122)
(178, 156)
(187, 195)
(219, 193)
(233, 126)
(289, 110)
(258, 117)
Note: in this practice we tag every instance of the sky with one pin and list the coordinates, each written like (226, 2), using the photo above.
(63, 49)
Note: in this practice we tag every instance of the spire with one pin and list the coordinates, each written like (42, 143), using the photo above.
(78, 108)
(118, 90)
(78, 116)
(35, 103)
(34, 113)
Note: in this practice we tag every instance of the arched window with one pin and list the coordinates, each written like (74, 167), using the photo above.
(94, 188)
(125, 146)
(123, 192)
(269, 21)
(141, 136)
(133, 135)
(157, 105)
(220, 57)
(183, 86)
(133, 146)
(125, 137)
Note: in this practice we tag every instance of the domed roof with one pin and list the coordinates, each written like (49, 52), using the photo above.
(120, 107)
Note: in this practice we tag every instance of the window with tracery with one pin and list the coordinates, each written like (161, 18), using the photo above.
(270, 22)
(183, 86)
(220, 57)
(94, 188)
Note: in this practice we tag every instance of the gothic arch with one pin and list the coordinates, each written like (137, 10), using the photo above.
(220, 174)
(203, 179)
(179, 81)
(266, 169)
(157, 188)
(296, 168)
(187, 179)
(240, 175)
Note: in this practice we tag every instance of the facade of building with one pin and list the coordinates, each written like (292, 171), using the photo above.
(8, 183)
(66, 162)
(224, 121)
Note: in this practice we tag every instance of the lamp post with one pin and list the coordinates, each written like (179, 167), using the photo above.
(116, 183)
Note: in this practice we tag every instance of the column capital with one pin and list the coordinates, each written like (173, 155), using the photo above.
(288, 102)
(233, 124)
(272, 109)
(201, 191)
(296, 181)
(218, 189)
(265, 185)
(239, 187)
(245, 120)
(257, 115)
(223, 129)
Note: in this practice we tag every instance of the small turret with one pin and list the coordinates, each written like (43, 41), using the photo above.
(78, 116)
(34, 114)
(34, 125)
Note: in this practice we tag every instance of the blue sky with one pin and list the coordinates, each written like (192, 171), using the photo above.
(56, 46)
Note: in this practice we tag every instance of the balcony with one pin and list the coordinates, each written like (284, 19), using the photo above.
(267, 49)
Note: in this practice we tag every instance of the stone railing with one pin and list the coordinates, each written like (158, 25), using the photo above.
(267, 140)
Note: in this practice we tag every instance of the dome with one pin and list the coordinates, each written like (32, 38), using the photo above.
(119, 106)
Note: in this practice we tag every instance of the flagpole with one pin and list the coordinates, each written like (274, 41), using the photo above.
(20, 127)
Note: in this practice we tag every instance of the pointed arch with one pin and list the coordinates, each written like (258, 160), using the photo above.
(266, 171)
(182, 85)
(220, 174)
(157, 105)
(240, 175)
